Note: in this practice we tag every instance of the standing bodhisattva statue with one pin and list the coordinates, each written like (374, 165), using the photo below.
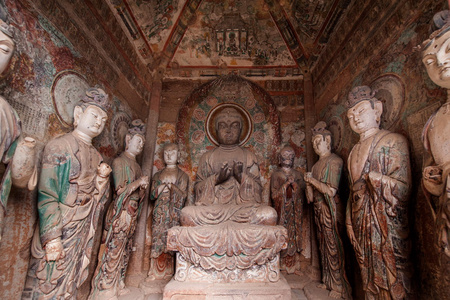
(376, 217)
(322, 184)
(129, 185)
(436, 134)
(73, 188)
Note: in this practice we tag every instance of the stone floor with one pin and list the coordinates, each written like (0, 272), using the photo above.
(303, 288)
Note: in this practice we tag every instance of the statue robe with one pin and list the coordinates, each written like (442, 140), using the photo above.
(69, 206)
(120, 226)
(328, 170)
(379, 219)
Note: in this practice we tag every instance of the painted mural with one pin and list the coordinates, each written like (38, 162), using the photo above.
(233, 33)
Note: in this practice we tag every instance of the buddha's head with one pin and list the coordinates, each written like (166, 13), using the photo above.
(6, 45)
(286, 157)
(321, 139)
(90, 114)
(436, 51)
(171, 154)
(135, 139)
(228, 124)
(363, 109)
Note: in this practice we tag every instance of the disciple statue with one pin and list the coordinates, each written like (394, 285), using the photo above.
(17, 155)
(436, 134)
(286, 190)
(129, 186)
(322, 184)
(169, 191)
(73, 188)
(376, 217)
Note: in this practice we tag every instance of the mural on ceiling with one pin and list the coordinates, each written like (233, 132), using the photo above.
(155, 18)
(233, 33)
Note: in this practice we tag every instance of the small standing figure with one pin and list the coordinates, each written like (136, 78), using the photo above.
(73, 189)
(436, 133)
(286, 189)
(377, 213)
(129, 185)
(169, 189)
(322, 184)
(19, 157)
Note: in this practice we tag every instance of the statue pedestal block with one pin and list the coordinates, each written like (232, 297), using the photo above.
(188, 290)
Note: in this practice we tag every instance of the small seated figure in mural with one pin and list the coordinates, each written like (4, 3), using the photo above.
(322, 184)
(71, 197)
(129, 186)
(19, 157)
(287, 194)
(169, 191)
(228, 185)
(436, 133)
(377, 211)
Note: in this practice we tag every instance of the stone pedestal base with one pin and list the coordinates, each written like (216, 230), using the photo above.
(176, 290)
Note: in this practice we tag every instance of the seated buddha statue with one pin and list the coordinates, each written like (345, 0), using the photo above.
(228, 185)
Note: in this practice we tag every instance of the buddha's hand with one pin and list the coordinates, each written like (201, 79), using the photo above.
(238, 168)
(54, 250)
(224, 173)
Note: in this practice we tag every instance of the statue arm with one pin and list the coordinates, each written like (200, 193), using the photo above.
(251, 187)
(205, 182)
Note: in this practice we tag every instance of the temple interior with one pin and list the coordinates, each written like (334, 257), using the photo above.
(284, 65)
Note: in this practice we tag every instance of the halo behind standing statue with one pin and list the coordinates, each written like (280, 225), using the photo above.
(247, 124)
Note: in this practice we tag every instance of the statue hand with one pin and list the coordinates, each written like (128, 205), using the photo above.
(433, 174)
(238, 168)
(308, 177)
(375, 179)
(224, 173)
(143, 182)
(54, 250)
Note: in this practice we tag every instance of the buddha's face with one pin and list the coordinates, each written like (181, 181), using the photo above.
(171, 156)
(135, 144)
(6, 51)
(436, 58)
(229, 130)
(287, 158)
(91, 121)
(363, 117)
(321, 144)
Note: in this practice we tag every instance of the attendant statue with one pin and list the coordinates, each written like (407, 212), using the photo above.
(322, 184)
(376, 217)
(129, 186)
(169, 191)
(436, 134)
(18, 155)
(73, 188)
(228, 185)
(287, 193)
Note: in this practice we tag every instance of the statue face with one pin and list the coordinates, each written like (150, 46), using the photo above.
(287, 158)
(363, 117)
(6, 51)
(320, 145)
(136, 144)
(92, 121)
(436, 58)
(229, 130)
(171, 156)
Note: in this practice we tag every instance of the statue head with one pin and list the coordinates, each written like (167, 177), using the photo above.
(90, 114)
(363, 109)
(135, 138)
(171, 154)
(286, 157)
(321, 139)
(6, 45)
(228, 124)
(435, 54)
